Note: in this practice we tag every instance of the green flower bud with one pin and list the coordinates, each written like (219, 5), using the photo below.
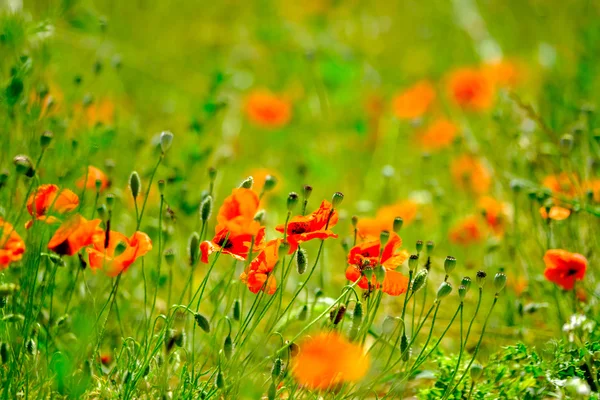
(194, 248)
(4, 353)
(419, 281)
(202, 322)
(301, 261)
(337, 314)
(303, 314)
(413, 262)
(292, 200)
(449, 265)
(499, 281)
(206, 208)
(46, 139)
(384, 236)
(169, 255)
(419, 246)
(24, 165)
(212, 174)
(481, 275)
(135, 184)
(444, 290)
(398, 222)
(476, 371)
(306, 192)
(272, 393)
(237, 310)
(102, 212)
(337, 199)
(318, 293)
(166, 140)
(404, 350)
(466, 282)
(247, 183)
(357, 314)
(276, 369)
(228, 347)
(462, 292)
(429, 246)
(270, 183)
(220, 381)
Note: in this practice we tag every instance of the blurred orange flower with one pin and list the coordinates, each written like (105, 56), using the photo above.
(467, 231)
(593, 186)
(564, 268)
(471, 89)
(12, 246)
(49, 102)
(93, 174)
(47, 196)
(414, 101)
(260, 175)
(314, 226)
(470, 173)
(74, 234)
(267, 109)
(495, 214)
(370, 228)
(561, 184)
(120, 253)
(438, 135)
(556, 213)
(519, 285)
(366, 256)
(502, 73)
(327, 360)
(99, 112)
(259, 270)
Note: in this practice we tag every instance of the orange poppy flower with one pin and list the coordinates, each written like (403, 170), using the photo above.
(467, 232)
(556, 213)
(327, 360)
(370, 228)
(94, 174)
(267, 109)
(594, 187)
(47, 196)
(519, 285)
(439, 134)
(259, 270)
(471, 89)
(238, 211)
(235, 243)
(502, 73)
(120, 253)
(564, 268)
(314, 226)
(494, 212)
(260, 175)
(414, 101)
(49, 103)
(470, 173)
(12, 246)
(561, 184)
(366, 255)
(99, 112)
(75, 234)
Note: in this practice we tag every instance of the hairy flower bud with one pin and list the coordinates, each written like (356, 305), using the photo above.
(301, 261)
(337, 314)
(337, 199)
(202, 322)
(194, 248)
(135, 184)
(206, 208)
(419, 281)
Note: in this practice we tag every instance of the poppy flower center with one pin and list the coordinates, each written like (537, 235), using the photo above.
(298, 228)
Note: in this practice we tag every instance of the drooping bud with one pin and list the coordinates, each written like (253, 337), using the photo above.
(228, 347)
(169, 255)
(194, 248)
(404, 350)
(419, 246)
(260, 216)
(166, 140)
(357, 314)
(419, 281)
(24, 165)
(398, 222)
(4, 353)
(481, 275)
(276, 369)
(202, 322)
(272, 393)
(247, 183)
(237, 310)
(46, 139)
(206, 208)
(444, 290)
(303, 314)
(301, 261)
(337, 314)
(413, 262)
(449, 265)
(135, 184)
(499, 281)
(292, 200)
(337, 199)
(270, 183)
(220, 380)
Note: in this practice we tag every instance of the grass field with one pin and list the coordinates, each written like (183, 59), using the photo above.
(299, 200)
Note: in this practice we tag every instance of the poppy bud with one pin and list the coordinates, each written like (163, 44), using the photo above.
(357, 314)
(237, 310)
(462, 292)
(260, 216)
(212, 174)
(24, 165)
(272, 393)
(384, 236)
(4, 352)
(169, 255)
(379, 272)
(419, 246)
(276, 370)
(292, 200)
(337, 199)
(247, 183)
(466, 282)
(419, 281)
(228, 347)
(398, 222)
(306, 192)
(303, 314)
(301, 261)
(135, 184)
(166, 139)
(206, 208)
(270, 183)
(194, 248)
(294, 349)
(161, 186)
(31, 347)
(499, 281)
(444, 290)
(413, 262)
(476, 371)
(404, 350)
(429, 246)
(202, 322)
(481, 275)
(46, 139)
(449, 265)
(220, 381)
(337, 314)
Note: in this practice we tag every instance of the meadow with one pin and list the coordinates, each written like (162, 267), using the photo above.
(299, 200)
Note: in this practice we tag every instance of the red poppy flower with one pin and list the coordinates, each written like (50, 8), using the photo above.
(233, 242)
(47, 196)
(471, 89)
(267, 109)
(564, 268)
(75, 234)
(259, 270)
(366, 255)
(467, 232)
(120, 253)
(314, 226)
(94, 174)
(414, 101)
(12, 246)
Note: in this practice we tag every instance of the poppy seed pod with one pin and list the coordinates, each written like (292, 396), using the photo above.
(419, 281)
(307, 191)
(212, 174)
(398, 222)
(228, 347)
(166, 140)
(206, 208)
(194, 248)
(462, 292)
(202, 322)
(466, 282)
(476, 371)
(247, 183)
(270, 183)
(379, 272)
(337, 199)
(46, 139)
(237, 310)
(444, 290)
(102, 212)
(429, 246)
(419, 246)
(301, 261)
(499, 281)
(169, 255)
(481, 275)
(161, 186)
(413, 262)
(135, 184)
(110, 202)
(24, 165)
(384, 236)
(292, 200)
(354, 221)
(449, 265)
